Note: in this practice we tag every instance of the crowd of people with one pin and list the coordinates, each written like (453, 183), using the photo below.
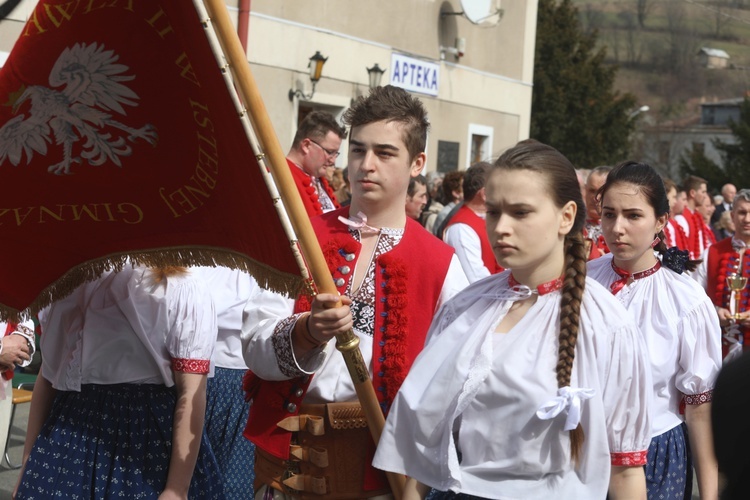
(532, 330)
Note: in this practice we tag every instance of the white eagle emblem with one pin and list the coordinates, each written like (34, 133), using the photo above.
(89, 79)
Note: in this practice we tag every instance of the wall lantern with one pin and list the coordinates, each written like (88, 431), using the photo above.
(375, 74)
(316, 71)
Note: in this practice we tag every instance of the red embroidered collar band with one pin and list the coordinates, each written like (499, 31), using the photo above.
(624, 275)
(543, 289)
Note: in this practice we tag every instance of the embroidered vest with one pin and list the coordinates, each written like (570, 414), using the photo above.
(465, 215)
(695, 238)
(675, 235)
(307, 190)
(722, 261)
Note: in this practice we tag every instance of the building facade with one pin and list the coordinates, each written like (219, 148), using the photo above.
(475, 78)
(665, 145)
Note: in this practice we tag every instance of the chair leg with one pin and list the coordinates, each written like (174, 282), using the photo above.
(6, 456)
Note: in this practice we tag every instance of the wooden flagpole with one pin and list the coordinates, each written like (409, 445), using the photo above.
(347, 343)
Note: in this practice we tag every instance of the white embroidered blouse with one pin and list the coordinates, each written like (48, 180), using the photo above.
(125, 328)
(682, 332)
(478, 393)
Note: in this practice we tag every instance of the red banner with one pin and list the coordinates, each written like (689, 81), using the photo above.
(118, 136)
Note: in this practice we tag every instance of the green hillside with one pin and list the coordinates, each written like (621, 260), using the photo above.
(656, 45)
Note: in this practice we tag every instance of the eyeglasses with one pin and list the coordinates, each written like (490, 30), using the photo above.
(333, 154)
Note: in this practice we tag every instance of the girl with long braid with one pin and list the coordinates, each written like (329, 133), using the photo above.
(533, 382)
(678, 322)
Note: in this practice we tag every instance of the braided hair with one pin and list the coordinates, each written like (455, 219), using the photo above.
(651, 186)
(563, 187)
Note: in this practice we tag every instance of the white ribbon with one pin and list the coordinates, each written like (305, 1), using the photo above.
(359, 221)
(569, 400)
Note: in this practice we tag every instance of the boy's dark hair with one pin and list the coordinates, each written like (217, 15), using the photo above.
(393, 104)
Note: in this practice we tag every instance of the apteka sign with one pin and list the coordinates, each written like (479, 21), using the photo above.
(415, 75)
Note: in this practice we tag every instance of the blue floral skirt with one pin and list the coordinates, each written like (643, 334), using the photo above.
(226, 416)
(669, 471)
(111, 441)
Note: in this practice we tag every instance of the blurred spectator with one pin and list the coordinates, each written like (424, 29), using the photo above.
(690, 219)
(728, 192)
(706, 210)
(416, 196)
(592, 229)
(466, 231)
(672, 230)
(453, 194)
(724, 227)
(434, 200)
(583, 174)
(344, 192)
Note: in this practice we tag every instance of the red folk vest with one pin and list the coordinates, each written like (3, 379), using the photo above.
(307, 190)
(695, 240)
(408, 283)
(677, 239)
(722, 261)
(465, 215)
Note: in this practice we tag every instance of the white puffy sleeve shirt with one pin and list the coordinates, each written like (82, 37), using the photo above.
(682, 332)
(468, 247)
(268, 318)
(230, 290)
(476, 392)
(126, 328)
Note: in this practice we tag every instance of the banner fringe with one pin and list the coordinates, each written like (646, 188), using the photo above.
(267, 277)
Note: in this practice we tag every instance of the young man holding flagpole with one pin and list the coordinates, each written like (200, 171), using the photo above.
(311, 436)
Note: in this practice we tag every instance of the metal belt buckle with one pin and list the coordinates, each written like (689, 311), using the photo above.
(292, 469)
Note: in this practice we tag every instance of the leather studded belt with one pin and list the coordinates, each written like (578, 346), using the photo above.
(327, 458)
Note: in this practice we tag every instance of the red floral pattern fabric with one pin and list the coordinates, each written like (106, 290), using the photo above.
(200, 366)
(629, 459)
(699, 399)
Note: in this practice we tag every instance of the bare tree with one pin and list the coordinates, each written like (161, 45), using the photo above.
(633, 46)
(722, 18)
(682, 41)
(592, 18)
(612, 41)
(642, 8)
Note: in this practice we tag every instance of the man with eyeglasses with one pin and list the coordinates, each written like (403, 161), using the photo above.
(315, 148)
